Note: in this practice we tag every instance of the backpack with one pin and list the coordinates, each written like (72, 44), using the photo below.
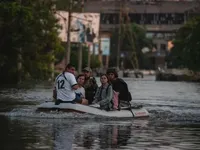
(115, 101)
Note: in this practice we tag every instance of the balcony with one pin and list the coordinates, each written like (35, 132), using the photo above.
(150, 28)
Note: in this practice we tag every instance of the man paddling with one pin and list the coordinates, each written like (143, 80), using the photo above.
(65, 86)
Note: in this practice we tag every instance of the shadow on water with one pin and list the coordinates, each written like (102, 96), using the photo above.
(167, 102)
(15, 135)
(7, 105)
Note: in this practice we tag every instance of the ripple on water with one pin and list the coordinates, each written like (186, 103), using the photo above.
(32, 113)
(166, 101)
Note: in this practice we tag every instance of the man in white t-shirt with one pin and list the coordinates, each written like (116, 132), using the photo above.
(65, 86)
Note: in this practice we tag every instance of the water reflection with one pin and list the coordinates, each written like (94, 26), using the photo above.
(117, 135)
(91, 135)
(62, 135)
(12, 133)
(25, 134)
(104, 136)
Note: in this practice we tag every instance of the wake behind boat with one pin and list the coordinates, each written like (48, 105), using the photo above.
(125, 112)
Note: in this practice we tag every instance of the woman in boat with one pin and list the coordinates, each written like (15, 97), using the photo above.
(80, 80)
(81, 91)
(104, 94)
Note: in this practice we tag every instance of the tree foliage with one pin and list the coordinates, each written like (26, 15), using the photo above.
(74, 58)
(27, 29)
(133, 39)
(186, 50)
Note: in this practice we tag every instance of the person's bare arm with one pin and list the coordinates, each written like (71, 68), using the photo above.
(75, 87)
(54, 93)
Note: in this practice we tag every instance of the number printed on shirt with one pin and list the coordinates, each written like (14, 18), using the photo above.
(60, 84)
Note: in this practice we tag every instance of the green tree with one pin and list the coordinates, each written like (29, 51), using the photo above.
(74, 58)
(186, 50)
(133, 39)
(28, 29)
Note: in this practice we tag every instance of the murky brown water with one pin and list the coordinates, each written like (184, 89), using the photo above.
(174, 123)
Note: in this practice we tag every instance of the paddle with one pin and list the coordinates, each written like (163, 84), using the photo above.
(131, 109)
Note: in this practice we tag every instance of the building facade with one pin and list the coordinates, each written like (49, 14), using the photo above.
(160, 18)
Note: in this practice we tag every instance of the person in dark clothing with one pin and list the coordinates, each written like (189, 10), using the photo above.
(90, 85)
(119, 85)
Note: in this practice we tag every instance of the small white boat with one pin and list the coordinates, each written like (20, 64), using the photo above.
(125, 112)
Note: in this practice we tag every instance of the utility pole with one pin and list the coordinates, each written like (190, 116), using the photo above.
(131, 38)
(119, 35)
(80, 52)
(89, 55)
(100, 52)
(99, 43)
(19, 55)
(68, 52)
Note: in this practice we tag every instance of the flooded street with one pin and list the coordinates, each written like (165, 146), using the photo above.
(174, 122)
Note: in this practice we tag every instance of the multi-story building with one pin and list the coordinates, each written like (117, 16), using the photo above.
(161, 18)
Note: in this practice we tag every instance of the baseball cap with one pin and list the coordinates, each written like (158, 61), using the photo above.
(87, 69)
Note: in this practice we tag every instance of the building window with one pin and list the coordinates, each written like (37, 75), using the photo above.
(163, 46)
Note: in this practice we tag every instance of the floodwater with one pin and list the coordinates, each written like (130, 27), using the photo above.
(174, 122)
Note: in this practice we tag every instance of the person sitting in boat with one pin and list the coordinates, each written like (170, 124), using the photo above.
(104, 94)
(119, 85)
(65, 86)
(90, 85)
(80, 80)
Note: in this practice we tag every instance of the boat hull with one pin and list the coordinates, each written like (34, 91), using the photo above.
(69, 107)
